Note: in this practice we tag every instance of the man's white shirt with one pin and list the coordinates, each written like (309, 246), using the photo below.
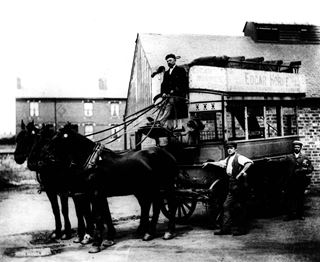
(242, 160)
(170, 69)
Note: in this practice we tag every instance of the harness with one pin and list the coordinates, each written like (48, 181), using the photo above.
(92, 159)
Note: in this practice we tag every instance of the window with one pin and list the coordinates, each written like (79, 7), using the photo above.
(289, 121)
(212, 121)
(88, 129)
(273, 121)
(262, 122)
(88, 108)
(34, 108)
(267, 34)
(114, 107)
(236, 124)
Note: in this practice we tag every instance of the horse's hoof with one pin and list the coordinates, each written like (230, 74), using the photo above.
(94, 249)
(66, 236)
(55, 235)
(168, 236)
(108, 243)
(87, 239)
(147, 237)
(77, 240)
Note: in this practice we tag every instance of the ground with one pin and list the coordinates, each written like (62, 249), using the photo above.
(26, 220)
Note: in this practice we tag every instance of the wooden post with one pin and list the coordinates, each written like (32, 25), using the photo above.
(138, 136)
(246, 130)
(296, 114)
(265, 135)
(280, 120)
(224, 120)
(233, 124)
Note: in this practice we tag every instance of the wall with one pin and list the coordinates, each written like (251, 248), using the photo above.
(140, 86)
(72, 110)
(309, 128)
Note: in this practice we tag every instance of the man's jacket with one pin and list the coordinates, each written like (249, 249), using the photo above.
(175, 83)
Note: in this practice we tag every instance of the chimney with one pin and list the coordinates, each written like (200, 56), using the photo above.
(19, 83)
(102, 83)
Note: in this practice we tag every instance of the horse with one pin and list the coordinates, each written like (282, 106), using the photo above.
(147, 174)
(29, 143)
(24, 141)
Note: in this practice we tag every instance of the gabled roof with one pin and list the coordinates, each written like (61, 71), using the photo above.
(46, 90)
(190, 47)
(73, 88)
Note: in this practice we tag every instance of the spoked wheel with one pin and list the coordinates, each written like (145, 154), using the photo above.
(185, 208)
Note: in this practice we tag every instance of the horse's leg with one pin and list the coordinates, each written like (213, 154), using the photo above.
(155, 214)
(172, 206)
(141, 226)
(52, 196)
(98, 201)
(108, 220)
(145, 204)
(81, 226)
(65, 213)
(87, 213)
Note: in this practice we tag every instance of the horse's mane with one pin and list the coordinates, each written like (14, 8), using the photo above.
(81, 138)
(44, 136)
(114, 153)
(81, 146)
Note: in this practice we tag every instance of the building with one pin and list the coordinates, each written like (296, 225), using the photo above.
(90, 112)
(278, 44)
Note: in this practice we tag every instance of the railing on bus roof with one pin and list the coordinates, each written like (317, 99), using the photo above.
(256, 63)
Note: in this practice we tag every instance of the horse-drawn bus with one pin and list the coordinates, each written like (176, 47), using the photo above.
(250, 101)
(247, 101)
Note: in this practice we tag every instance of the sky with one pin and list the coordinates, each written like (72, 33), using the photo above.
(70, 44)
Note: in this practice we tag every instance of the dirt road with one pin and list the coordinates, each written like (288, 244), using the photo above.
(26, 219)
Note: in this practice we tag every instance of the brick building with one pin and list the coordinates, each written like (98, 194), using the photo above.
(89, 112)
(284, 44)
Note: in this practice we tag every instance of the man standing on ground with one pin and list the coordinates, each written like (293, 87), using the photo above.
(299, 166)
(234, 207)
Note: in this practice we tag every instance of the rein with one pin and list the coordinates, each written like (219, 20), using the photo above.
(140, 113)
(92, 158)
(129, 122)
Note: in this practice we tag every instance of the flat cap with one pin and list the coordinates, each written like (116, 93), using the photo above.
(231, 144)
(170, 56)
(297, 142)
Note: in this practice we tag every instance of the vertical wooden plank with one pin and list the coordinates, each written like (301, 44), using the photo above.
(278, 120)
(265, 122)
(216, 126)
(246, 130)
(281, 117)
(233, 124)
(224, 119)
(296, 114)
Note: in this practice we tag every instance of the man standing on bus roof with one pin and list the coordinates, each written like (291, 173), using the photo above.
(234, 207)
(174, 88)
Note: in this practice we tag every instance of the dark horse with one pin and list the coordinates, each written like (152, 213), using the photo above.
(29, 144)
(148, 174)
